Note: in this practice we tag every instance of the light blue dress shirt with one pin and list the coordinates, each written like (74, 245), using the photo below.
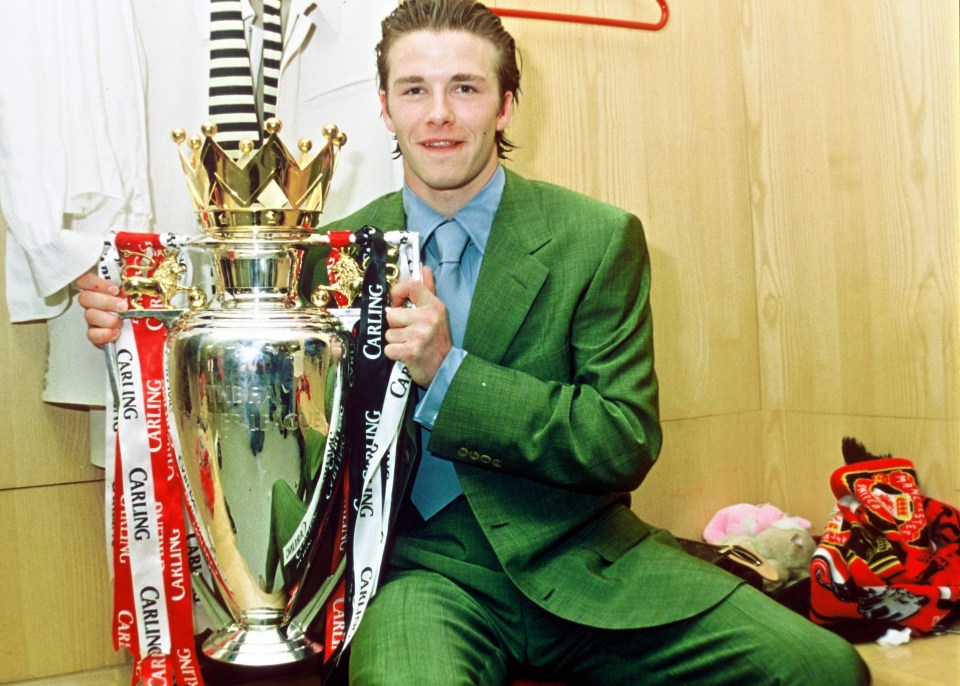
(476, 218)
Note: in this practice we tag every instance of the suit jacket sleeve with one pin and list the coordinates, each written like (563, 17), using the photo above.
(559, 385)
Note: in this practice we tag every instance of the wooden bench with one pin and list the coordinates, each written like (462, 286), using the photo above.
(931, 661)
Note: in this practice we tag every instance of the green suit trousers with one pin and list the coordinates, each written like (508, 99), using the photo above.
(449, 615)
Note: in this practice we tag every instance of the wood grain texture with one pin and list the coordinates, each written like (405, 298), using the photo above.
(852, 144)
(55, 594)
(801, 450)
(810, 148)
(42, 443)
(706, 463)
(652, 122)
(108, 676)
(930, 661)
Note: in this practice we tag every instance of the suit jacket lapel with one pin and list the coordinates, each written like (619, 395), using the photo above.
(510, 275)
(386, 214)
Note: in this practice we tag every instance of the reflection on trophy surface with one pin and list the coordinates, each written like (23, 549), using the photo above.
(257, 384)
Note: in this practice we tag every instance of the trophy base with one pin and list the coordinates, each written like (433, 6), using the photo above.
(260, 641)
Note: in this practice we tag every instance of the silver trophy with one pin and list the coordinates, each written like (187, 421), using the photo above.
(256, 387)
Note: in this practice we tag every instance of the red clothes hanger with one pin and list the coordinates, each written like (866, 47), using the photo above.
(579, 19)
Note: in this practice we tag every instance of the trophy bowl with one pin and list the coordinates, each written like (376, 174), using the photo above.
(257, 398)
(256, 386)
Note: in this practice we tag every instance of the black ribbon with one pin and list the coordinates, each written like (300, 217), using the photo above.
(371, 374)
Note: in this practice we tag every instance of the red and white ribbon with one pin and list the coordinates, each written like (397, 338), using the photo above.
(153, 602)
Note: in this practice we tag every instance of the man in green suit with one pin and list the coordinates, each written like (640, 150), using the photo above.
(518, 554)
(539, 389)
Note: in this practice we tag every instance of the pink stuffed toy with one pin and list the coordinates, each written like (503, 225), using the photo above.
(745, 519)
(782, 541)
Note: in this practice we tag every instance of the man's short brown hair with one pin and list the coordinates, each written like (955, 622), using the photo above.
(454, 15)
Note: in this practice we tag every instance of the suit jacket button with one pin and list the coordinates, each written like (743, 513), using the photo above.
(485, 459)
(474, 455)
(462, 452)
(495, 462)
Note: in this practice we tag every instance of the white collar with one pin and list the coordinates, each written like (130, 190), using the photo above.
(330, 10)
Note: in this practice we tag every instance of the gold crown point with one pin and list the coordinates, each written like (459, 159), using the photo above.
(304, 145)
(178, 136)
(264, 188)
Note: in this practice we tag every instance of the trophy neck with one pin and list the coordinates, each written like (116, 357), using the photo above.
(257, 274)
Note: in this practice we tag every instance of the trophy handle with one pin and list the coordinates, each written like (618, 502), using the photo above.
(113, 378)
(159, 277)
(346, 271)
(305, 617)
(218, 613)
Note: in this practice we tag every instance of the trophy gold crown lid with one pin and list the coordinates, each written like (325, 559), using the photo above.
(265, 190)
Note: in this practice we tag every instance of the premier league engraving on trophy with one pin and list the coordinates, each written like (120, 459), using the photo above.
(257, 385)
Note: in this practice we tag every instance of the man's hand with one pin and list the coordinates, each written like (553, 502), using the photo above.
(418, 336)
(100, 298)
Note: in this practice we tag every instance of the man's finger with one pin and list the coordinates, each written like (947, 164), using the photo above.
(92, 282)
(420, 293)
(94, 300)
(399, 317)
(102, 319)
(399, 293)
(403, 292)
(427, 275)
(100, 337)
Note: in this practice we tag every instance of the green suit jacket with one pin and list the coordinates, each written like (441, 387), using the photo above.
(551, 419)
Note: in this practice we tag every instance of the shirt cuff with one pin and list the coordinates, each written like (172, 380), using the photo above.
(432, 398)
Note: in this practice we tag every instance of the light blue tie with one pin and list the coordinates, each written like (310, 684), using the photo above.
(437, 484)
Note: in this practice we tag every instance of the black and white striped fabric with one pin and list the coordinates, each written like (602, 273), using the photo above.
(233, 105)
(272, 52)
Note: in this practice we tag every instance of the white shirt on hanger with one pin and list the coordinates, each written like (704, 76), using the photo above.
(92, 90)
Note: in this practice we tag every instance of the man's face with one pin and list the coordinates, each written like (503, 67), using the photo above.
(442, 102)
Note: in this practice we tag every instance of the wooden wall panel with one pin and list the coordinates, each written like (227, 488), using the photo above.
(651, 121)
(108, 676)
(809, 146)
(706, 463)
(801, 450)
(42, 444)
(55, 594)
(55, 590)
(852, 137)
